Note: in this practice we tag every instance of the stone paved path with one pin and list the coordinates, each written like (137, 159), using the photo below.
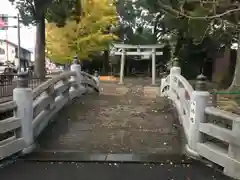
(119, 120)
(123, 121)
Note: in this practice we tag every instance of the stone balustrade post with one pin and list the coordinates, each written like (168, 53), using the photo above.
(175, 70)
(76, 67)
(153, 66)
(23, 97)
(198, 104)
(97, 78)
(123, 56)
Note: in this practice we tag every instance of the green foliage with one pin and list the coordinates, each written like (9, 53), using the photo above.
(135, 20)
(61, 10)
(198, 28)
(86, 37)
(31, 9)
(57, 11)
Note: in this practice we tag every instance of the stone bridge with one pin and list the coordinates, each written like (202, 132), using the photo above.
(73, 125)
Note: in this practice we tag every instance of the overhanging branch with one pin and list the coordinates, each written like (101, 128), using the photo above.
(169, 9)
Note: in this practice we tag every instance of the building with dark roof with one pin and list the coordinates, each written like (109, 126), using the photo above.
(9, 54)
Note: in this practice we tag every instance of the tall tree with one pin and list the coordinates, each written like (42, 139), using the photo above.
(35, 12)
(197, 20)
(84, 37)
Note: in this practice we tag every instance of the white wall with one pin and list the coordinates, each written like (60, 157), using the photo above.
(27, 33)
(11, 53)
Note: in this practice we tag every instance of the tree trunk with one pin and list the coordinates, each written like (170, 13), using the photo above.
(155, 32)
(236, 78)
(40, 48)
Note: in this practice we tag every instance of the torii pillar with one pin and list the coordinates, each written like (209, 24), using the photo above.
(153, 66)
(122, 66)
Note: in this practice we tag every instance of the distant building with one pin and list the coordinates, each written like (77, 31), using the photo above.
(9, 54)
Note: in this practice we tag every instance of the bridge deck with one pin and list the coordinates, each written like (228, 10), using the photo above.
(119, 121)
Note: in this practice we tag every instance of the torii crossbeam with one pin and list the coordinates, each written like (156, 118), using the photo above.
(142, 50)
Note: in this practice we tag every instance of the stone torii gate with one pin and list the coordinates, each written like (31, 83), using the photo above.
(142, 50)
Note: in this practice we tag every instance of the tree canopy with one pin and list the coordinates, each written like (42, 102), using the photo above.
(37, 12)
(202, 27)
(84, 37)
(58, 11)
(196, 30)
(135, 22)
(212, 24)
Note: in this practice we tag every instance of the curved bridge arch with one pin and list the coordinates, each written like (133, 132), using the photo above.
(179, 91)
(32, 110)
(193, 108)
(90, 81)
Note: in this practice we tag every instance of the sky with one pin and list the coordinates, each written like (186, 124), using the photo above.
(27, 33)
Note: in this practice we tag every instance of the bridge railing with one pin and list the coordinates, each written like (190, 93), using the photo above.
(24, 118)
(179, 90)
(50, 97)
(11, 140)
(220, 142)
(211, 133)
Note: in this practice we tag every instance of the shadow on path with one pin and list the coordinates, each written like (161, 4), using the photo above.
(108, 171)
